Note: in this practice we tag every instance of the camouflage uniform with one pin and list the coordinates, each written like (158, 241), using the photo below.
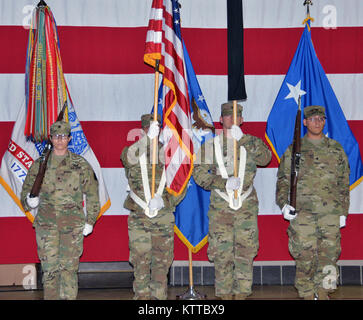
(233, 234)
(322, 197)
(151, 240)
(61, 219)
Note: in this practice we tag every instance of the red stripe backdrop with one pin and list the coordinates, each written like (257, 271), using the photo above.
(269, 51)
(109, 241)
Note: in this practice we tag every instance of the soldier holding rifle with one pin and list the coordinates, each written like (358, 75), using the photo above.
(61, 223)
(322, 204)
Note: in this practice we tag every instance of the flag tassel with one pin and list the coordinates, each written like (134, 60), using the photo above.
(308, 3)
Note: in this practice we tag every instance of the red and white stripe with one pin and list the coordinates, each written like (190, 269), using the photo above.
(163, 43)
(154, 35)
(102, 47)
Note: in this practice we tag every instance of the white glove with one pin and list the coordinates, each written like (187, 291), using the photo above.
(288, 212)
(87, 229)
(156, 203)
(153, 130)
(32, 202)
(342, 221)
(236, 132)
(233, 183)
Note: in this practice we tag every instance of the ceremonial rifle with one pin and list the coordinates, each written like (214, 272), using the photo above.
(43, 161)
(295, 158)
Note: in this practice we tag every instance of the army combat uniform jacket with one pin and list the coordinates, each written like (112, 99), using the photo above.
(131, 160)
(323, 180)
(61, 194)
(207, 173)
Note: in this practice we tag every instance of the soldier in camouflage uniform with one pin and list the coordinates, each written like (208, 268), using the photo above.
(151, 220)
(61, 223)
(322, 205)
(233, 231)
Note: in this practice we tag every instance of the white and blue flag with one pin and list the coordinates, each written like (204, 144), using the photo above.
(191, 215)
(307, 79)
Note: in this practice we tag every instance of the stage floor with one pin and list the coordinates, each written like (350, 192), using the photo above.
(259, 293)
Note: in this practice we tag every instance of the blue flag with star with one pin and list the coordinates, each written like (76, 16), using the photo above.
(306, 78)
(191, 215)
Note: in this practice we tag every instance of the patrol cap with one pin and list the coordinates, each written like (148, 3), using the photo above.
(314, 111)
(227, 109)
(147, 118)
(60, 127)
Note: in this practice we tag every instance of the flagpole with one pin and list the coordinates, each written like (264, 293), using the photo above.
(235, 170)
(308, 3)
(191, 293)
(155, 139)
(191, 283)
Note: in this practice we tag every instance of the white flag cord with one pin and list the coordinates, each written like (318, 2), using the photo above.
(229, 197)
(146, 188)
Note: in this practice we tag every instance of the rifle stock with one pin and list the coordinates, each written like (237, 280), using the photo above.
(41, 172)
(43, 161)
(295, 158)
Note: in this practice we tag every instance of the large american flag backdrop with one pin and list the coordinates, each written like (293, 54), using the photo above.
(102, 45)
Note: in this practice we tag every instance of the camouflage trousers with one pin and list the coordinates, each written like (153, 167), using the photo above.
(314, 242)
(59, 252)
(233, 244)
(151, 244)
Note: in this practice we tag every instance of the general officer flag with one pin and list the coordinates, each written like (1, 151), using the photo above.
(191, 215)
(307, 79)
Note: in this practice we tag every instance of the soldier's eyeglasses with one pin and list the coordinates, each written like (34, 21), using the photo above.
(316, 119)
(60, 137)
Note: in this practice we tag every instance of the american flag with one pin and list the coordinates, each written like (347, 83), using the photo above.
(164, 43)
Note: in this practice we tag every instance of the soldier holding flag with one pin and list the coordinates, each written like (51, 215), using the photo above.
(233, 231)
(227, 168)
(151, 219)
(321, 207)
(61, 183)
